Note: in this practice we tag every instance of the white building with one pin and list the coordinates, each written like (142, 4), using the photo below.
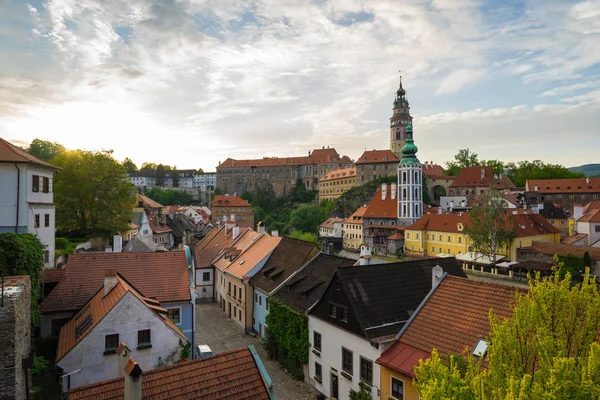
(26, 196)
(410, 182)
(332, 228)
(117, 314)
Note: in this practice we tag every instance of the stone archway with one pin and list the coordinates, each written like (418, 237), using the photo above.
(437, 187)
(437, 192)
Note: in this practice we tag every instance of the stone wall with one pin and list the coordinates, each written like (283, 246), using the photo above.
(15, 337)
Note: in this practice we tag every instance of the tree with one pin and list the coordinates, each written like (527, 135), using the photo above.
(149, 166)
(362, 394)
(488, 228)
(160, 175)
(307, 237)
(547, 349)
(497, 166)
(92, 193)
(520, 172)
(175, 177)
(170, 197)
(306, 218)
(45, 150)
(130, 166)
(464, 158)
(23, 254)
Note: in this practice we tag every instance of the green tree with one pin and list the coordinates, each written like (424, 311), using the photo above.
(147, 165)
(307, 237)
(160, 175)
(362, 394)
(130, 166)
(92, 193)
(175, 177)
(497, 166)
(488, 228)
(520, 172)
(547, 349)
(23, 254)
(306, 218)
(45, 150)
(170, 197)
(464, 158)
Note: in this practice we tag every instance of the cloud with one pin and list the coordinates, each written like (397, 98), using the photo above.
(459, 78)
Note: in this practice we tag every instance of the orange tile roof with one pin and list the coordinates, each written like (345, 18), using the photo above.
(593, 215)
(253, 255)
(574, 239)
(358, 215)
(471, 177)
(396, 236)
(379, 208)
(51, 275)
(531, 225)
(235, 248)
(223, 200)
(440, 222)
(163, 276)
(339, 174)
(594, 204)
(13, 154)
(148, 202)
(158, 227)
(432, 169)
(578, 185)
(231, 375)
(329, 222)
(451, 320)
(98, 307)
(561, 250)
(318, 156)
(377, 156)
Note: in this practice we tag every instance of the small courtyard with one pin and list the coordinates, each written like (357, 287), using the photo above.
(214, 329)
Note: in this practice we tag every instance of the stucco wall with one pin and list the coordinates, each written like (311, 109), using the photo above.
(186, 320)
(260, 311)
(410, 393)
(205, 288)
(127, 317)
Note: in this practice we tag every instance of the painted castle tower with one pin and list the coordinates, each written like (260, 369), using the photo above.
(410, 182)
(399, 122)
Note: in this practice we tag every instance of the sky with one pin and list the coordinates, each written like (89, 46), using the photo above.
(193, 82)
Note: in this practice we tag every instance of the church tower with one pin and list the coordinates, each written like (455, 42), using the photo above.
(400, 120)
(410, 182)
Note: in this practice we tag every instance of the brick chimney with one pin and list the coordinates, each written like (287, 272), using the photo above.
(133, 380)
(110, 280)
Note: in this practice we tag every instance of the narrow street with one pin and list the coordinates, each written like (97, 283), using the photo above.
(214, 329)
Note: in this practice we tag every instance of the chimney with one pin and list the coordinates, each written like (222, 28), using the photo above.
(117, 244)
(275, 233)
(436, 275)
(383, 191)
(133, 380)
(451, 205)
(365, 255)
(536, 188)
(393, 191)
(232, 217)
(260, 227)
(588, 180)
(123, 354)
(482, 173)
(236, 232)
(110, 280)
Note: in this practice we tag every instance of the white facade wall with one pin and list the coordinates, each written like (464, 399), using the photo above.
(127, 317)
(410, 201)
(330, 358)
(205, 288)
(589, 228)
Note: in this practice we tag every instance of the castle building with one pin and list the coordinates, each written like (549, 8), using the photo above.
(410, 182)
(399, 122)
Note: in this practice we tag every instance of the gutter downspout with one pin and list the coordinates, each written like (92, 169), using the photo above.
(18, 196)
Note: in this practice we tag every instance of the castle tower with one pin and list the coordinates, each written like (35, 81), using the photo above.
(400, 120)
(410, 182)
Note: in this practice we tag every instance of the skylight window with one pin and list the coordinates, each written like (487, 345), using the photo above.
(480, 349)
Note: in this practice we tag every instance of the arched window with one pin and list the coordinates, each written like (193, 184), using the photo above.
(404, 194)
(380, 222)
(416, 194)
(417, 210)
(404, 177)
(416, 177)
(393, 223)
(404, 210)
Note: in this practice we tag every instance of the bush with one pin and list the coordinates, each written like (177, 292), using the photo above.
(40, 366)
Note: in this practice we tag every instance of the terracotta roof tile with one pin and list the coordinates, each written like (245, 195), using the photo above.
(379, 208)
(561, 249)
(594, 204)
(51, 275)
(357, 217)
(223, 200)
(471, 177)
(377, 156)
(431, 170)
(11, 153)
(574, 239)
(339, 174)
(148, 202)
(452, 320)
(330, 221)
(593, 215)
(161, 275)
(318, 156)
(578, 185)
(254, 254)
(232, 375)
(98, 307)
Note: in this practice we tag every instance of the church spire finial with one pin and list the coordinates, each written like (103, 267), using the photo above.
(409, 150)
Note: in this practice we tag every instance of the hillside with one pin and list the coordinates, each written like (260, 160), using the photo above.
(591, 170)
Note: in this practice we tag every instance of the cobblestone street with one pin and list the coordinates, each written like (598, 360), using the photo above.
(214, 329)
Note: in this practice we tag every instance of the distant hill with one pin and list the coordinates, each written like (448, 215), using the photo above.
(591, 170)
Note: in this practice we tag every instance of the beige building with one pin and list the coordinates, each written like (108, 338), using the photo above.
(353, 230)
(375, 163)
(336, 183)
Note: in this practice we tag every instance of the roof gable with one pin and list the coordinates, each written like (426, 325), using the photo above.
(481, 176)
(377, 156)
(382, 208)
(13, 154)
(577, 185)
(224, 200)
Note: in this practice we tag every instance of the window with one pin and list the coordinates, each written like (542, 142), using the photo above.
(347, 360)
(35, 183)
(46, 256)
(343, 314)
(449, 239)
(144, 338)
(229, 289)
(366, 370)
(45, 184)
(332, 310)
(267, 304)
(256, 298)
(234, 290)
(459, 239)
(37, 221)
(318, 372)
(111, 342)
(317, 340)
(260, 300)
(47, 220)
(240, 293)
(597, 228)
(397, 389)
(206, 276)
(174, 314)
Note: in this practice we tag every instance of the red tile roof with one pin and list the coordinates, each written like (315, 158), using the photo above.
(99, 306)
(574, 239)
(157, 227)
(377, 156)
(148, 202)
(232, 375)
(379, 208)
(561, 250)
(329, 222)
(254, 254)
(452, 320)
(578, 185)
(223, 200)
(440, 222)
(357, 217)
(318, 156)
(163, 276)
(593, 215)
(432, 170)
(13, 154)
(594, 204)
(51, 275)
(471, 177)
(339, 174)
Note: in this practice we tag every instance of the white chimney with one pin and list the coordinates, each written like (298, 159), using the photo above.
(123, 354)
(588, 180)
(225, 218)
(232, 217)
(383, 191)
(451, 205)
(117, 244)
(275, 233)
(482, 173)
(133, 381)
(536, 188)
(394, 186)
(236, 232)
(110, 280)
(365, 255)
(436, 275)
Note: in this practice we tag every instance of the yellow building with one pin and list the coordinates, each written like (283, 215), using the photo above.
(353, 230)
(437, 234)
(335, 183)
(556, 217)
